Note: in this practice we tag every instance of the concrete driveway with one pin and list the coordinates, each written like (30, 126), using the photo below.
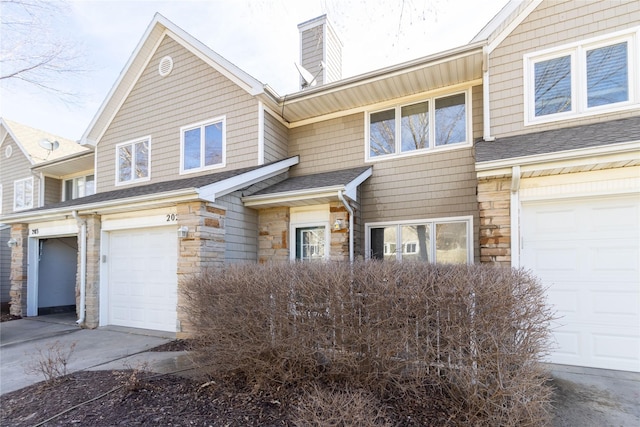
(26, 341)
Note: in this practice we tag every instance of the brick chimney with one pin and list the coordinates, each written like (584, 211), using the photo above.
(319, 43)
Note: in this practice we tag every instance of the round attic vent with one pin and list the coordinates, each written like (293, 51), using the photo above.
(165, 67)
(8, 151)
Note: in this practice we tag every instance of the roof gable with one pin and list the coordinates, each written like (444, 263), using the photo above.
(159, 28)
(505, 21)
(28, 140)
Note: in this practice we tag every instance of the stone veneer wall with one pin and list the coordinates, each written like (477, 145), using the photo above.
(203, 248)
(92, 289)
(339, 249)
(18, 278)
(273, 235)
(494, 197)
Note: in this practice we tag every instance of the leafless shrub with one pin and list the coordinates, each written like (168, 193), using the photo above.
(335, 406)
(473, 334)
(51, 362)
(133, 378)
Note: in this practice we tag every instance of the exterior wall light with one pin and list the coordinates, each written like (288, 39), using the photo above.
(12, 243)
(337, 225)
(183, 232)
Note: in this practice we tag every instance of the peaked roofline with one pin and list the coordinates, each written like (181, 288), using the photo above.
(13, 136)
(157, 29)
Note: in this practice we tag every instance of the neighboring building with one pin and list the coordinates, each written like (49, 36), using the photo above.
(483, 153)
(38, 168)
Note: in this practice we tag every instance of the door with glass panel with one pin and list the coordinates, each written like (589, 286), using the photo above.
(310, 243)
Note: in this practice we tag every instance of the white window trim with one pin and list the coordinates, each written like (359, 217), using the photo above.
(74, 178)
(432, 111)
(117, 160)
(15, 193)
(579, 95)
(431, 221)
(293, 236)
(202, 125)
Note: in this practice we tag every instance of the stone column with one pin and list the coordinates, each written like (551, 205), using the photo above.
(92, 290)
(339, 242)
(273, 235)
(495, 221)
(18, 277)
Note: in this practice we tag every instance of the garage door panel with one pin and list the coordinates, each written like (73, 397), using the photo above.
(587, 253)
(142, 278)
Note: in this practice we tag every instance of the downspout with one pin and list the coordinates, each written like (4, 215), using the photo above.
(486, 108)
(514, 205)
(83, 265)
(350, 210)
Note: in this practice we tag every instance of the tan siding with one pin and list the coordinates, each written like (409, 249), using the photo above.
(333, 71)
(553, 23)
(14, 168)
(52, 190)
(276, 138)
(159, 106)
(476, 110)
(329, 145)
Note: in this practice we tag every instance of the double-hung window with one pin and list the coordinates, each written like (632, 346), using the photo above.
(132, 161)
(447, 240)
(430, 124)
(79, 187)
(202, 146)
(23, 194)
(581, 79)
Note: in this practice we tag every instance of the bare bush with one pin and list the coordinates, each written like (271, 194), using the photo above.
(51, 362)
(472, 334)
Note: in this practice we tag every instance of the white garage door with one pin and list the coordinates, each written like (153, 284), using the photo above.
(587, 252)
(142, 278)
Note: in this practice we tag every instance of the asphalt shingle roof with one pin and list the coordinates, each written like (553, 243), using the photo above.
(155, 188)
(319, 180)
(550, 141)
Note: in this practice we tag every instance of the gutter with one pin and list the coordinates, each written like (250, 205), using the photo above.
(82, 247)
(486, 107)
(350, 210)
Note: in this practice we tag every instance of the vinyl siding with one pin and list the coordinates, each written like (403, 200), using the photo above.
(240, 230)
(311, 51)
(333, 71)
(551, 24)
(14, 168)
(276, 138)
(159, 106)
(52, 190)
(5, 264)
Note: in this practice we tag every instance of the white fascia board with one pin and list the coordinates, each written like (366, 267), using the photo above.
(513, 24)
(567, 158)
(219, 189)
(351, 189)
(292, 196)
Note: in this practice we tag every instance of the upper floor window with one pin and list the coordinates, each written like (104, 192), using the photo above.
(433, 123)
(79, 187)
(580, 79)
(203, 145)
(23, 194)
(132, 161)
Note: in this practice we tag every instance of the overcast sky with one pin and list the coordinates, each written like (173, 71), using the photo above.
(259, 36)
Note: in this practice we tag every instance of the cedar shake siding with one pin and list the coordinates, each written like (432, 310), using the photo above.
(52, 190)
(551, 24)
(159, 106)
(276, 138)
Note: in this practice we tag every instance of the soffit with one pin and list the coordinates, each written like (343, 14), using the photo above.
(455, 67)
(68, 166)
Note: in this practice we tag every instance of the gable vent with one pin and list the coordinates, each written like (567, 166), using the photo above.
(165, 67)
(8, 151)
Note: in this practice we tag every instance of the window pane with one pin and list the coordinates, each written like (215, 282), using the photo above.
(415, 127)
(384, 243)
(68, 189)
(90, 186)
(382, 133)
(142, 159)
(451, 120)
(19, 194)
(79, 183)
(607, 75)
(553, 86)
(28, 193)
(451, 243)
(213, 144)
(124, 163)
(192, 149)
(415, 242)
(310, 243)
